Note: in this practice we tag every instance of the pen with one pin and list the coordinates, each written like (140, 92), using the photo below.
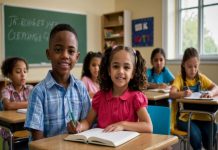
(73, 121)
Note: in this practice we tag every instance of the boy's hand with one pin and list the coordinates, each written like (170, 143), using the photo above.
(74, 127)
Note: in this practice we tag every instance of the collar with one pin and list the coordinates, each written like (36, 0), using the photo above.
(50, 81)
(123, 97)
(11, 87)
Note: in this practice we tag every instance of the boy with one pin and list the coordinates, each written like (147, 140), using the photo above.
(59, 98)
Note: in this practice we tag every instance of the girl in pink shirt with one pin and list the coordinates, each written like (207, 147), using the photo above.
(90, 72)
(15, 94)
(119, 105)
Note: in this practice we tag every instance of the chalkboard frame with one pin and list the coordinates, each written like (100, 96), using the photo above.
(44, 62)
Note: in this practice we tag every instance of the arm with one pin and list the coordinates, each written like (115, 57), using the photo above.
(8, 105)
(36, 134)
(175, 93)
(143, 125)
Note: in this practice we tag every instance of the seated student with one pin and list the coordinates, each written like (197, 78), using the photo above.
(159, 76)
(119, 105)
(90, 72)
(191, 80)
(15, 94)
(60, 97)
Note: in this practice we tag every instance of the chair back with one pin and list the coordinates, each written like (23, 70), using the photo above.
(160, 117)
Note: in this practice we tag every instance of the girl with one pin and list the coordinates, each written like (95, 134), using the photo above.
(15, 94)
(159, 77)
(119, 105)
(190, 80)
(90, 72)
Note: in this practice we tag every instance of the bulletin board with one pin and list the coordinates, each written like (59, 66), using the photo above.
(143, 32)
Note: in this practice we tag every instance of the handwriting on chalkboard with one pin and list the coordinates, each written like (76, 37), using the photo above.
(21, 23)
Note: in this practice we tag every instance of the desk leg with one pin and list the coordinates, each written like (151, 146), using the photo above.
(189, 129)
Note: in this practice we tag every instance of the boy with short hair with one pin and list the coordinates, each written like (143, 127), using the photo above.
(60, 97)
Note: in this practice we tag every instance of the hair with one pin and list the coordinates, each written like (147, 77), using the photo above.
(138, 82)
(86, 62)
(9, 63)
(154, 52)
(62, 27)
(189, 53)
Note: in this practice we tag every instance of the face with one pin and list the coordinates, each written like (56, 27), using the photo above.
(121, 69)
(158, 62)
(191, 67)
(94, 67)
(63, 53)
(19, 74)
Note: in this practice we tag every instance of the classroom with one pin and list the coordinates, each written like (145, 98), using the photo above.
(164, 29)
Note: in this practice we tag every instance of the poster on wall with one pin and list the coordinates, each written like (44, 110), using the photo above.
(143, 32)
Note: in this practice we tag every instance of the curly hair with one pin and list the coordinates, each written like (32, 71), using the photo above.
(86, 63)
(189, 53)
(9, 63)
(138, 82)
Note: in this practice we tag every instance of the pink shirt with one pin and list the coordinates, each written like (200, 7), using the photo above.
(10, 93)
(91, 86)
(111, 109)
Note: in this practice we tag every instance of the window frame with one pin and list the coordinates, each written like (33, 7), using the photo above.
(200, 8)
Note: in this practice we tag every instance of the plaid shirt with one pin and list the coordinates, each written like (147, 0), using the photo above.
(10, 93)
(48, 109)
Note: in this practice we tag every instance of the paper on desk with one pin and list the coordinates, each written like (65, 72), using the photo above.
(24, 110)
(197, 95)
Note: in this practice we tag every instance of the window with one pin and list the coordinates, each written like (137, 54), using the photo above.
(197, 27)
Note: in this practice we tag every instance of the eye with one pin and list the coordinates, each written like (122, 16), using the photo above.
(71, 51)
(127, 67)
(115, 66)
(58, 49)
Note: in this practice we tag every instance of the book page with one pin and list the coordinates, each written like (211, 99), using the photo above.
(197, 95)
(83, 136)
(112, 138)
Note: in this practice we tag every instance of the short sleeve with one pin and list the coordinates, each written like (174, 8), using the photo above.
(5, 93)
(96, 100)
(140, 100)
(177, 83)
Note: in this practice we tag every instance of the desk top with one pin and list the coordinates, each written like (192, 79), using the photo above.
(199, 101)
(144, 141)
(151, 95)
(12, 116)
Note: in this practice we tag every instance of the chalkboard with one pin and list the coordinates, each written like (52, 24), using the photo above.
(26, 32)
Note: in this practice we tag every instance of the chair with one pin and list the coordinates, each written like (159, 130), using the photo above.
(182, 135)
(160, 117)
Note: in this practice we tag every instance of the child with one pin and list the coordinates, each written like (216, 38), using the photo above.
(90, 72)
(120, 105)
(60, 97)
(159, 77)
(190, 80)
(15, 94)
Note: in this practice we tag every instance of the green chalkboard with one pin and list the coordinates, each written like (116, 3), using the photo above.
(26, 31)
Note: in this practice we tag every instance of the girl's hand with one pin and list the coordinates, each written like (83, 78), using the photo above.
(74, 127)
(114, 127)
(162, 86)
(206, 95)
(187, 93)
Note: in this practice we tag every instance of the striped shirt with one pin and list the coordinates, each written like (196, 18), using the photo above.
(50, 105)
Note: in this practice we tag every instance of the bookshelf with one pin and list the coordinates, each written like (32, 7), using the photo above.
(116, 29)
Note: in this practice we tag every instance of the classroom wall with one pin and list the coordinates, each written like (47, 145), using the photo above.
(153, 8)
(93, 9)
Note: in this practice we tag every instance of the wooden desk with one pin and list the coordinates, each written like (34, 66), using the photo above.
(209, 107)
(12, 120)
(144, 141)
(157, 98)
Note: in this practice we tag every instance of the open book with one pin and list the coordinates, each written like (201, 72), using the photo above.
(160, 90)
(97, 136)
(197, 95)
(23, 110)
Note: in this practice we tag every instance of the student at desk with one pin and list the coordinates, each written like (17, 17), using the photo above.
(15, 94)
(190, 80)
(159, 76)
(60, 95)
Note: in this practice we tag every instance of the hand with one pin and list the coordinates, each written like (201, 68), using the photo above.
(206, 95)
(114, 127)
(163, 86)
(74, 127)
(187, 93)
